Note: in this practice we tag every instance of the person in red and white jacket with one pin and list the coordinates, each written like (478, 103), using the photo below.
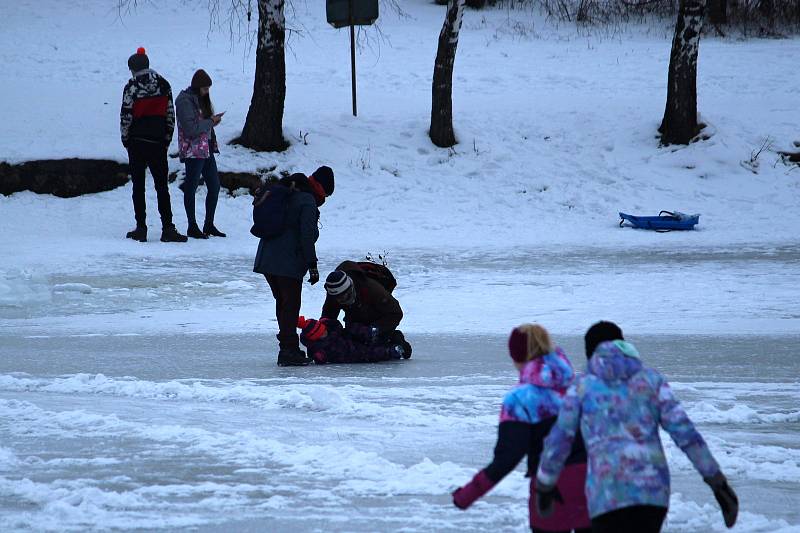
(146, 123)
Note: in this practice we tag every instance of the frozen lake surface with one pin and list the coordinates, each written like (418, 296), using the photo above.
(138, 386)
(210, 288)
(204, 430)
(135, 396)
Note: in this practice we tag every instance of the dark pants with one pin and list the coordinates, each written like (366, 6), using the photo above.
(287, 292)
(635, 519)
(194, 169)
(143, 155)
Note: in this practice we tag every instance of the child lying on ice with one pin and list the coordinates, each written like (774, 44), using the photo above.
(328, 342)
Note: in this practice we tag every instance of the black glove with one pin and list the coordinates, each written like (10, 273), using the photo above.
(546, 496)
(313, 275)
(728, 502)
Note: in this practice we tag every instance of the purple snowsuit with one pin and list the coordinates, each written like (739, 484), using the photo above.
(618, 405)
(339, 346)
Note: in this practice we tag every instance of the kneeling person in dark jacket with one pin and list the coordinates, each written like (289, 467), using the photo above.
(371, 313)
(328, 342)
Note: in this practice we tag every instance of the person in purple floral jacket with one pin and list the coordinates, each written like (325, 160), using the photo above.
(197, 144)
(618, 407)
(529, 411)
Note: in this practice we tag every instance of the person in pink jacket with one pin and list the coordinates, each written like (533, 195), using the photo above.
(529, 411)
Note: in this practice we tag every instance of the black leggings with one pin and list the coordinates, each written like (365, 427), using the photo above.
(634, 519)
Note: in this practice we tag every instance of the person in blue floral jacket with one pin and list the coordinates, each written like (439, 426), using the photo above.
(618, 406)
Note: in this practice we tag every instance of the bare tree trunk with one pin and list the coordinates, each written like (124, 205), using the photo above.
(441, 131)
(679, 125)
(767, 10)
(263, 128)
(718, 12)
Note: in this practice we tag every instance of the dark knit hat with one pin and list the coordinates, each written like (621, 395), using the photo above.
(337, 283)
(139, 60)
(201, 79)
(324, 176)
(313, 330)
(518, 345)
(600, 332)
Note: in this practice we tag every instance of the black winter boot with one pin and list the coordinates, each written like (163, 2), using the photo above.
(210, 229)
(397, 337)
(138, 234)
(195, 233)
(406, 350)
(170, 234)
(292, 357)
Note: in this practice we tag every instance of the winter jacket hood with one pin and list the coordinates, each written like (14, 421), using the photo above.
(542, 383)
(615, 361)
(551, 371)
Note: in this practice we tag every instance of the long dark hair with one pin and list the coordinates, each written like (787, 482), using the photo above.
(206, 107)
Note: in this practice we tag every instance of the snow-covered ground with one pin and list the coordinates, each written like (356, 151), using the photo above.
(137, 381)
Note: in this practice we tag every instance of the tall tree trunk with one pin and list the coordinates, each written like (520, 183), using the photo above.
(680, 116)
(767, 8)
(441, 131)
(718, 12)
(263, 128)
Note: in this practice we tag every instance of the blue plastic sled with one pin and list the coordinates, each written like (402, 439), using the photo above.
(665, 221)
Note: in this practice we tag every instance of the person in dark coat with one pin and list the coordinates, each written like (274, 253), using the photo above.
(371, 313)
(328, 342)
(529, 411)
(146, 123)
(197, 144)
(285, 259)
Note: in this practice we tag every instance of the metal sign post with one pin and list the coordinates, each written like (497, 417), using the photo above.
(341, 13)
(352, 55)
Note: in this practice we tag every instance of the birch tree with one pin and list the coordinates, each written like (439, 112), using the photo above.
(441, 131)
(679, 125)
(263, 127)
